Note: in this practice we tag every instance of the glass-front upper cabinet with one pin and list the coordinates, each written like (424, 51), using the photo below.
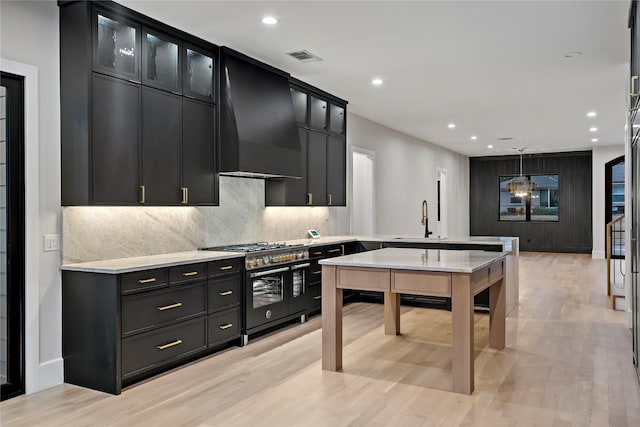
(318, 118)
(161, 61)
(299, 99)
(336, 119)
(116, 46)
(198, 75)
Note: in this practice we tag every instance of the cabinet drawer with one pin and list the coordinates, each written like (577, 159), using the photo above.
(316, 252)
(224, 292)
(144, 280)
(155, 348)
(315, 273)
(145, 310)
(224, 326)
(427, 283)
(225, 266)
(315, 297)
(187, 273)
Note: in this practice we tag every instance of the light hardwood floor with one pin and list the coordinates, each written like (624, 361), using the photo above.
(567, 362)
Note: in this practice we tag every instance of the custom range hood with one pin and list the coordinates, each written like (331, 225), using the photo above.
(258, 130)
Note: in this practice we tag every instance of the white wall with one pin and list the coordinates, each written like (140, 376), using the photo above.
(29, 39)
(405, 174)
(600, 156)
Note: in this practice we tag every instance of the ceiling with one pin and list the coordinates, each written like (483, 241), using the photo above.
(497, 69)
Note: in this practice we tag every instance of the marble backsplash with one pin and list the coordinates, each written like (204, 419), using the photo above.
(97, 233)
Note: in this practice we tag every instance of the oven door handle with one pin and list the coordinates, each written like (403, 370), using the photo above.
(266, 273)
(299, 266)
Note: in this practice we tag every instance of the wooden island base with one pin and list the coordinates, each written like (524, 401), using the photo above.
(460, 286)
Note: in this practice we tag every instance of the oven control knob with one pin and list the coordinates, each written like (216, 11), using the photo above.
(265, 259)
(268, 314)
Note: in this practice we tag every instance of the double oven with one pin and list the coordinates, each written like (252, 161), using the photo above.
(275, 285)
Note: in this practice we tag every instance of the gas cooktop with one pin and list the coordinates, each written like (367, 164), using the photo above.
(253, 247)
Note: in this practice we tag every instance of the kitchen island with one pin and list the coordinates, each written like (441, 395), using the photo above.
(457, 274)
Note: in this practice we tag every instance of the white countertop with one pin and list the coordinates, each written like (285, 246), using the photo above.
(419, 259)
(127, 265)
(506, 242)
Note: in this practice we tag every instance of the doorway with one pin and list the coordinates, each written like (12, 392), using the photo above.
(615, 204)
(363, 204)
(12, 236)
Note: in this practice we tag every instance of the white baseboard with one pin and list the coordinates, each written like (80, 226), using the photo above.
(597, 254)
(49, 373)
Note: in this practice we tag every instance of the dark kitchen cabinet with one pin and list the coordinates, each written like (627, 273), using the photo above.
(317, 169)
(199, 154)
(161, 61)
(129, 134)
(161, 147)
(336, 171)
(116, 45)
(300, 105)
(337, 120)
(120, 328)
(317, 113)
(116, 140)
(198, 81)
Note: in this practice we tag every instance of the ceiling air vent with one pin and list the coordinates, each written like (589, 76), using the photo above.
(304, 56)
(505, 138)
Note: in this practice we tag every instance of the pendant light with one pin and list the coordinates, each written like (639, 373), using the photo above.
(521, 186)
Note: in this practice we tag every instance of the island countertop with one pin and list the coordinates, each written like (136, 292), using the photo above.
(466, 261)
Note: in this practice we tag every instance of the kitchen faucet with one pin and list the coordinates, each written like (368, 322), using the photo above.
(425, 219)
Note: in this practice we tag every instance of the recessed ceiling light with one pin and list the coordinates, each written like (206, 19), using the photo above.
(591, 114)
(376, 81)
(489, 146)
(593, 129)
(572, 54)
(474, 137)
(451, 125)
(594, 139)
(269, 20)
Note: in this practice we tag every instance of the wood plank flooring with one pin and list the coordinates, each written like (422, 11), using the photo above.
(567, 362)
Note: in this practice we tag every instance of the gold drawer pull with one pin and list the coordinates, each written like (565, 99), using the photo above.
(171, 344)
(317, 272)
(225, 293)
(318, 297)
(189, 274)
(169, 307)
(145, 281)
(227, 326)
(226, 267)
(316, 253)
(331, 251)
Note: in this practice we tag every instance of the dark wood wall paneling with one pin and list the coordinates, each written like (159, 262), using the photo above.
(571, 233)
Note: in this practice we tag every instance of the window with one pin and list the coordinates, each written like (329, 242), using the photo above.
(539, 205)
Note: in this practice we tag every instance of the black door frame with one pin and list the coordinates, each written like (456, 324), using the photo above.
(15, 194)
(608, 194)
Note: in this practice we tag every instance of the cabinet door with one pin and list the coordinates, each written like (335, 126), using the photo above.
(336, 120)
(336, 172)
(317, 169)
(161, 146)
(161, 61)
(116, 46)
(115, 106)
(318, 113)
(300, 99)
(198, 75)
(199, 170)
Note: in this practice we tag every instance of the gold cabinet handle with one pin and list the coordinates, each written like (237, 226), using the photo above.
(169, 307)
(145, 281)
(227, 326)
(190, 273)
(226, 267)
(185, 195)
(329, 198)
(317, 272)
(309, 199)
(171, 344)
(225, 293)
(318, 297)
(316, 253)
(142, 194)
(633, 86)
(333, 251)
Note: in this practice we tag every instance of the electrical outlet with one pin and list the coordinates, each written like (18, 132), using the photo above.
(51, 242)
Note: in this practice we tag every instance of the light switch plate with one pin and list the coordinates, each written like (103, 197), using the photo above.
(51, 242)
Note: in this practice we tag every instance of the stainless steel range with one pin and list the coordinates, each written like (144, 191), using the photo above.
(275, 287)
